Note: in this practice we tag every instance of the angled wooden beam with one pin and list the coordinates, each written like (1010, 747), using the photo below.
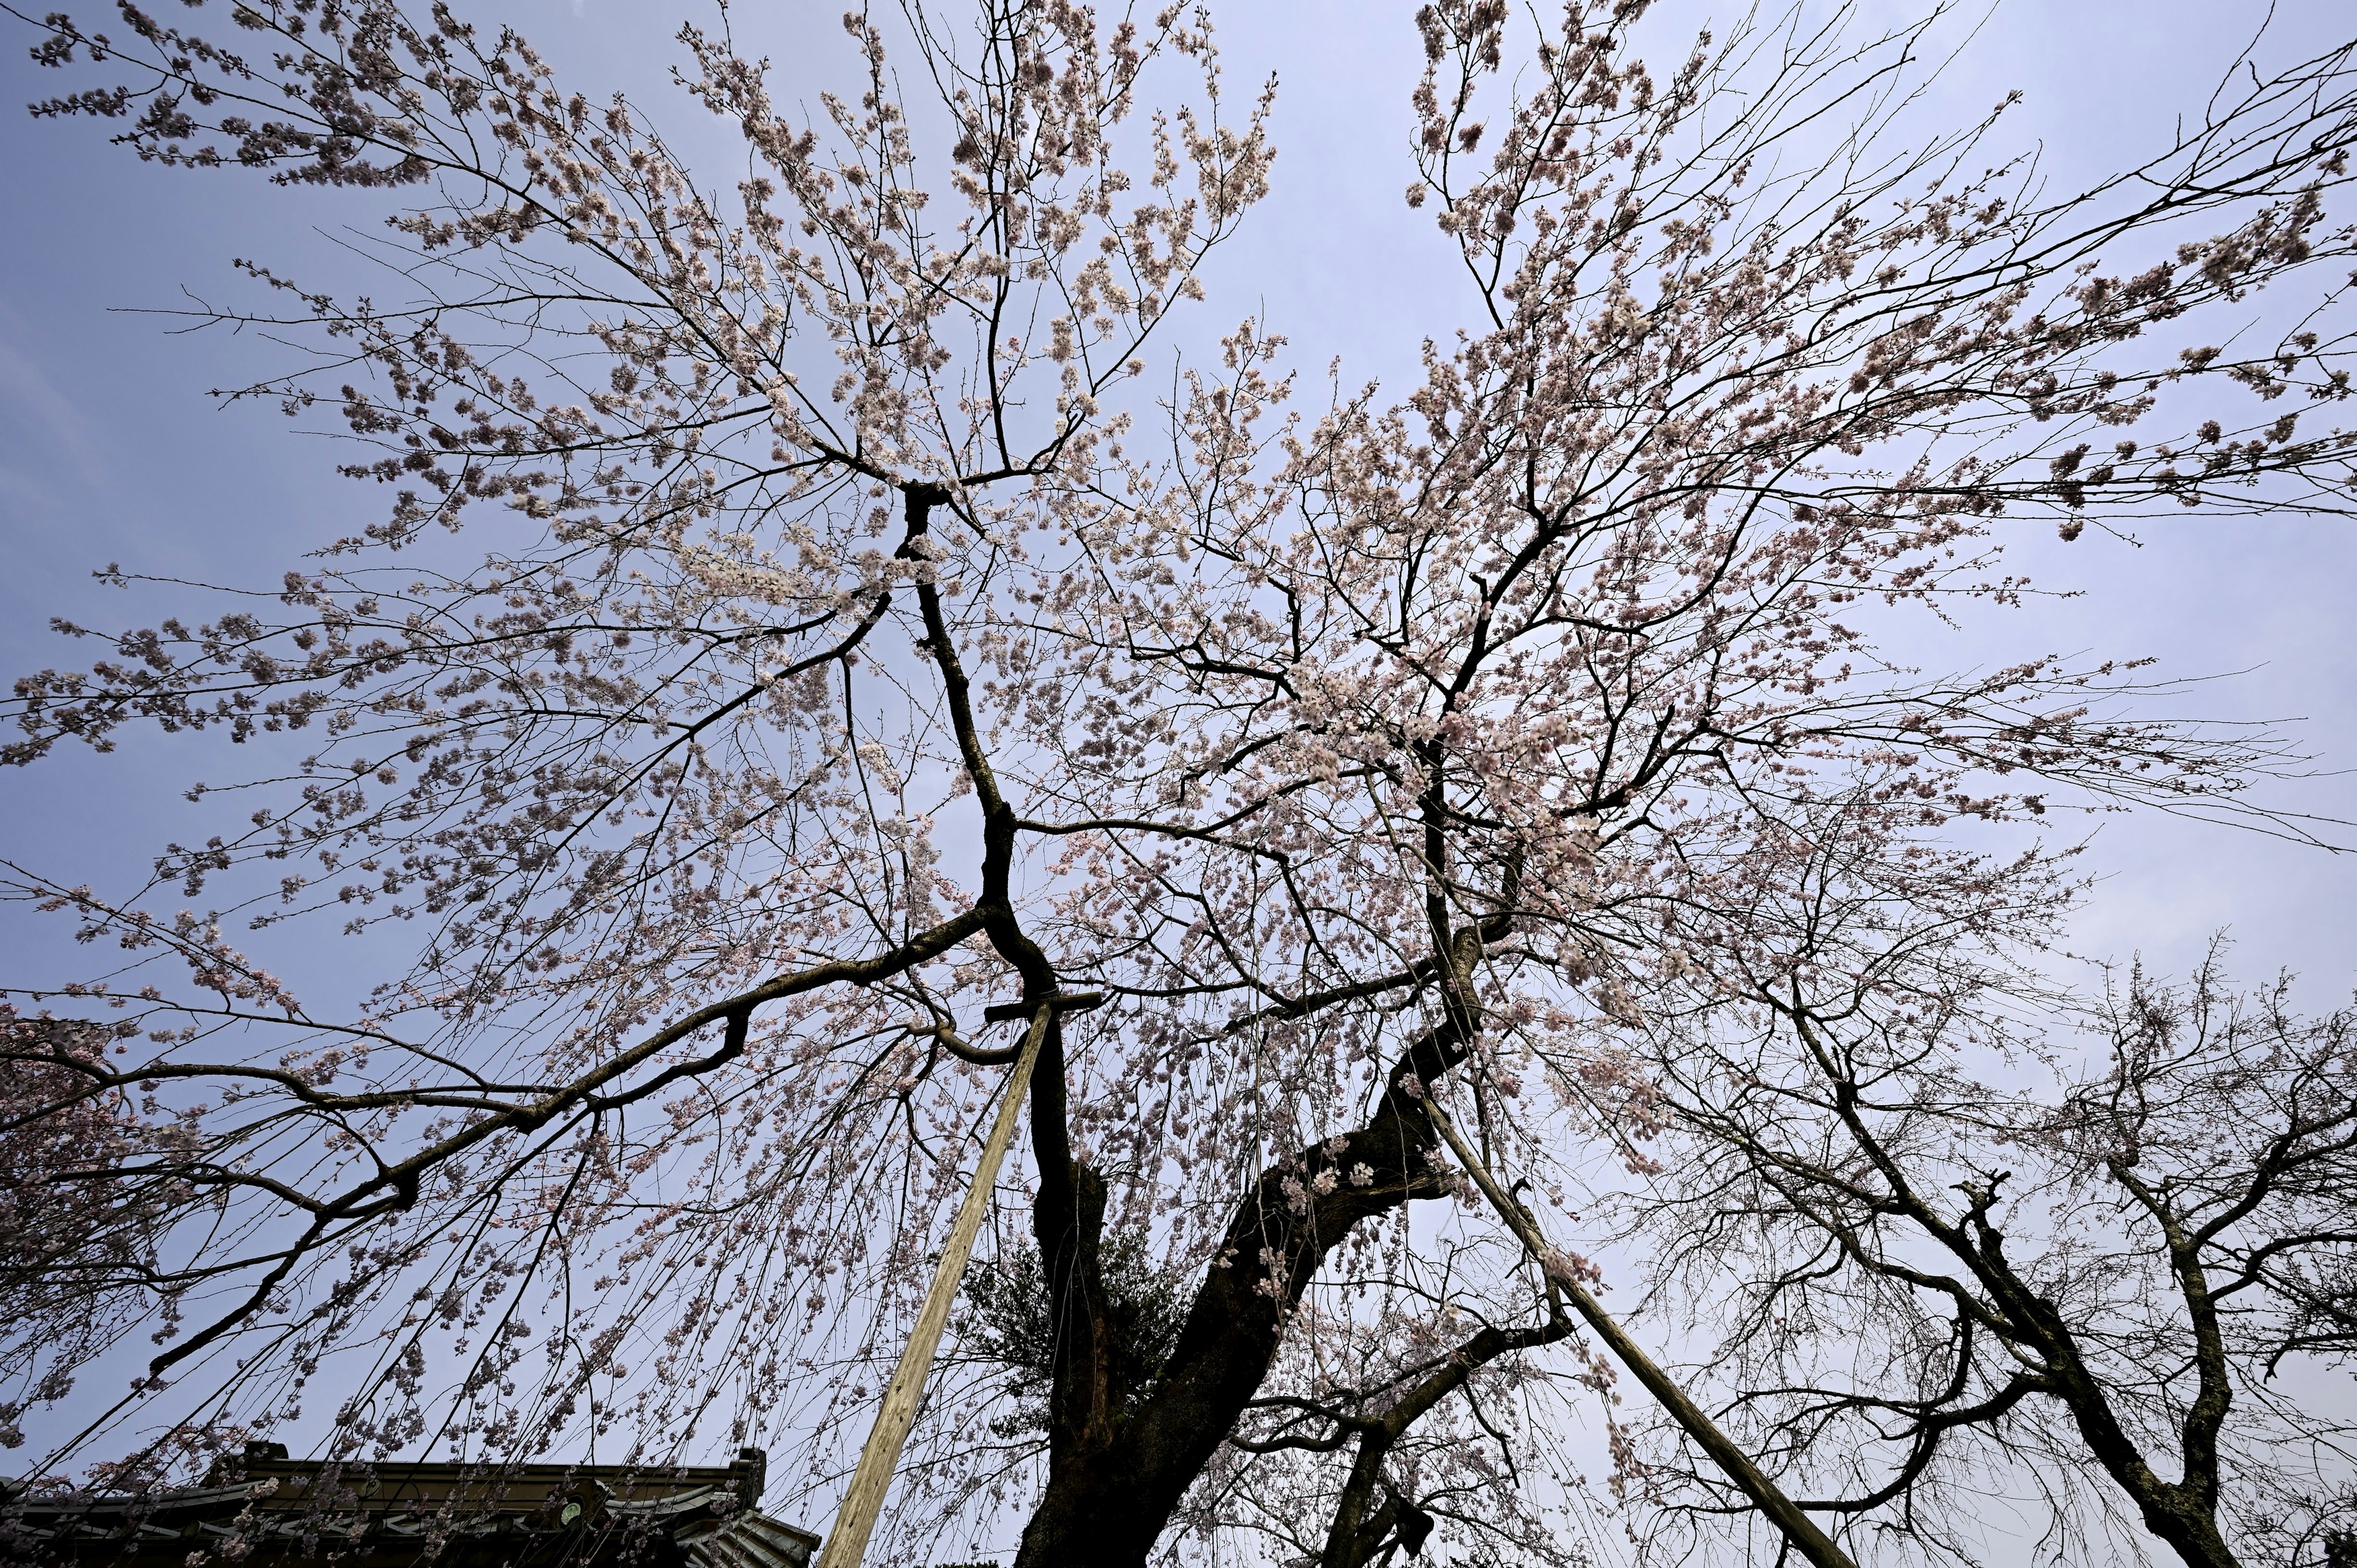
(847, 1543)
(1796, 1526)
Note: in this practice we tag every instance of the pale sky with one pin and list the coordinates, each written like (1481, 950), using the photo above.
(110, 450)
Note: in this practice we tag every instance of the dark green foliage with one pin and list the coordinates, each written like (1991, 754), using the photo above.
(1008, 1320)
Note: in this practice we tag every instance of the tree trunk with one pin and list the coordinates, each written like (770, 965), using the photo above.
(1112, 1487)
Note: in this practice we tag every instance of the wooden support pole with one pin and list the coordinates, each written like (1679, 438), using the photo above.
(847, 1543)
(1796, 1526)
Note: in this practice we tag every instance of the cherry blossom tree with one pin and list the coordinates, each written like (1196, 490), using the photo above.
(797, 626)
(77, 1272)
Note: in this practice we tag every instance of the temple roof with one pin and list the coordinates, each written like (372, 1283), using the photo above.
(264, 1508)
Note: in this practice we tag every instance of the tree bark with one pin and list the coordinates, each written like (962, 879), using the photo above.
(1358, 1533)
(1112, 1489)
